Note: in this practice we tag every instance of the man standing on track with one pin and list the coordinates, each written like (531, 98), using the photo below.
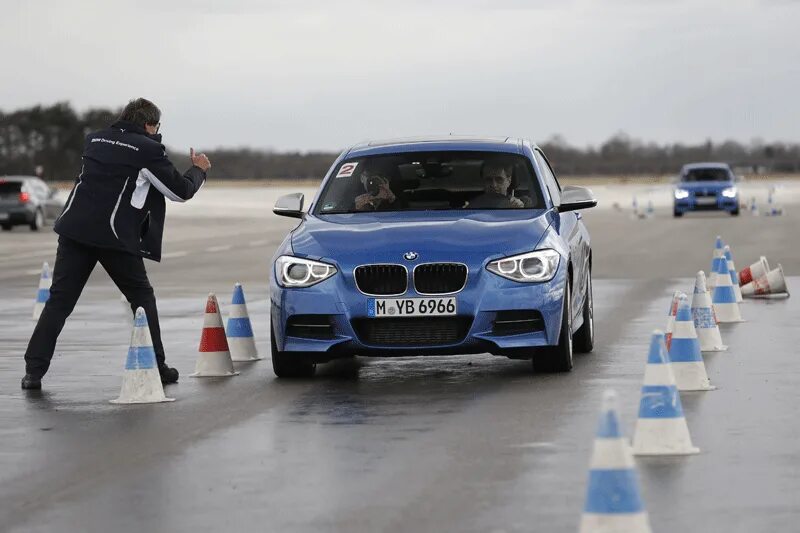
(114, 216)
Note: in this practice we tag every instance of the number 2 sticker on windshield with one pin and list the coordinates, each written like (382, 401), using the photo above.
(346, 170)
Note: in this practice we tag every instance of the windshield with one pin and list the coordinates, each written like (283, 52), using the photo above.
(423, 181)
(706, 174)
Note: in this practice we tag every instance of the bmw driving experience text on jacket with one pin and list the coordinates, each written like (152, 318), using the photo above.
(118, 199)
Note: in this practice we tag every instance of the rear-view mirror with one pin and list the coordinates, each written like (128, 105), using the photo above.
(290, 205)
(574, 197)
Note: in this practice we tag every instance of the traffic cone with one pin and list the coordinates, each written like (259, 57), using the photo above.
(734, 274)
(773, 282)
(705, 322)
(613, 501)
(43, 294)
(661, 428)
(723, 298)
(719, 252)
(141, 382)
(684, 352)
(240, 331)
(215, 357)
(756, 270)
(753, 207)
(673, 309)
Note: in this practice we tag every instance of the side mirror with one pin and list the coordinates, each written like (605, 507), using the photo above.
(574, 197)
(290, 205)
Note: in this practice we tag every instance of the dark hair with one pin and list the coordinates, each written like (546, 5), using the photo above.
(141, 111)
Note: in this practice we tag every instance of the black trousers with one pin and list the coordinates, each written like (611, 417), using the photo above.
(74, 264)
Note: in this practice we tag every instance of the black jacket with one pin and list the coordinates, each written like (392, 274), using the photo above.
(118, 199)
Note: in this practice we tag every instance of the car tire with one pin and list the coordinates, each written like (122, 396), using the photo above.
(38, 220)
(583, 340)
(677, 214)
(735, 212)
(558, 358)
(6, 227)
(286, 364)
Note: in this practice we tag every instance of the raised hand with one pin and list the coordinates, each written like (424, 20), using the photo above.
(199, 160)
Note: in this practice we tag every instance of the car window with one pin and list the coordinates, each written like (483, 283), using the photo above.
(706, 174)
(9, 188)
(549, 178)
(426, 181)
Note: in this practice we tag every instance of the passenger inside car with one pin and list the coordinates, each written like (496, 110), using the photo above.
(378, 193)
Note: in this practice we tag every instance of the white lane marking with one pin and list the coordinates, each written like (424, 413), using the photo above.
(219, 248)
(170, 255)
(34, 271)
(261, 242)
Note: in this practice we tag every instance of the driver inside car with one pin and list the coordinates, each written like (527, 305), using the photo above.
(378, 194)
(496, 182)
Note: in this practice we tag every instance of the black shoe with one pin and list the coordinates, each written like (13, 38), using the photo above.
(168, 375)
(31, 383)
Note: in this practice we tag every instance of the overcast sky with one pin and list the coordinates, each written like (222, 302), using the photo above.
(309, 74)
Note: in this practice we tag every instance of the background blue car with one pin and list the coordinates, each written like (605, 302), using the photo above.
(434, 246)
(706, 186)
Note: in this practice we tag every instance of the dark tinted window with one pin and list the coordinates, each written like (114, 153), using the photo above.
(9, 187)
(706, 174)
(423, 181)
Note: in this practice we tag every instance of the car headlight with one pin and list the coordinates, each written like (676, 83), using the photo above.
(680, 194)
(299, 272)
(730, 192)
(530, 267)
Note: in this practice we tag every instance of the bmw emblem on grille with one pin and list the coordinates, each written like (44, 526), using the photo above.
(410, 256)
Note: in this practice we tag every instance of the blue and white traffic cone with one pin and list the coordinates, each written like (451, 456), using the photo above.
(705, 322)
(719, 256)
(733, 273)
(723, 297)
(613, 500)
(650, 210)
(673, 310)
(661, 428)
(684, 352)
(239, 331)
(753, 207)
(141, 382)
(43, 294)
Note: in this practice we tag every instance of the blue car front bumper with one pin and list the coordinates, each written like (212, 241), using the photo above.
(478, 304)
(706, 203)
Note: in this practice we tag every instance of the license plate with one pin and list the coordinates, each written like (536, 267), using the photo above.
(3, 216)
(394, 307)
(707, 200)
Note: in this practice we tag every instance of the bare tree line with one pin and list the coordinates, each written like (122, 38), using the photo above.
(49, 140)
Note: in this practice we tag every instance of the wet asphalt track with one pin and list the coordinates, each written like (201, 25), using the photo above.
(473, 443)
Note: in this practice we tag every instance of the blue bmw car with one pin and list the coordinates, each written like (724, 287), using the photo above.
(434, 246)
(704, 187)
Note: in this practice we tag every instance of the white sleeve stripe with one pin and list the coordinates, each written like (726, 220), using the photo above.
(163, 189)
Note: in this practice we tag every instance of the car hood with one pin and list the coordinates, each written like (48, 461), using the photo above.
(704, 185)
(385, 237)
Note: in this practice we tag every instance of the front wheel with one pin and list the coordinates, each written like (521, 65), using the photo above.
(735, 212)
(558, 358)
(288, 364)
(583, 339)
(6, 227)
